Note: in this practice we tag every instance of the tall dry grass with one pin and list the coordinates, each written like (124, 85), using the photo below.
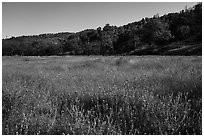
(102, 95)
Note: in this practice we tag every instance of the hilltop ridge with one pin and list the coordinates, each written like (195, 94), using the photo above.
(171, 34)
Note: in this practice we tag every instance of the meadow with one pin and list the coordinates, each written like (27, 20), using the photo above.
(98, 95)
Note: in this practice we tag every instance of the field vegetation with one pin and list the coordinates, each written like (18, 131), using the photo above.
(102, 95)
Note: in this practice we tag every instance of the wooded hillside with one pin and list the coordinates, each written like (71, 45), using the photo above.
(171, 34)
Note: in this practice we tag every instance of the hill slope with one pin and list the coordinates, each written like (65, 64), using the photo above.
(171, 34)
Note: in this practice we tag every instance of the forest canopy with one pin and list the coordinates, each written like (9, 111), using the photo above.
(171, 34)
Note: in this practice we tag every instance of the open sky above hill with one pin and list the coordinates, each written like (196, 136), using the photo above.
(37, 18)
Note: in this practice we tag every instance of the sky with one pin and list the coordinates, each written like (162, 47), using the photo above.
(29, 18)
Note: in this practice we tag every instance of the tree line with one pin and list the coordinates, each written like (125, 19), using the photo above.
(147, 36)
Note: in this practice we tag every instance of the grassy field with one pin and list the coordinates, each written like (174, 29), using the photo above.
(102, 95)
